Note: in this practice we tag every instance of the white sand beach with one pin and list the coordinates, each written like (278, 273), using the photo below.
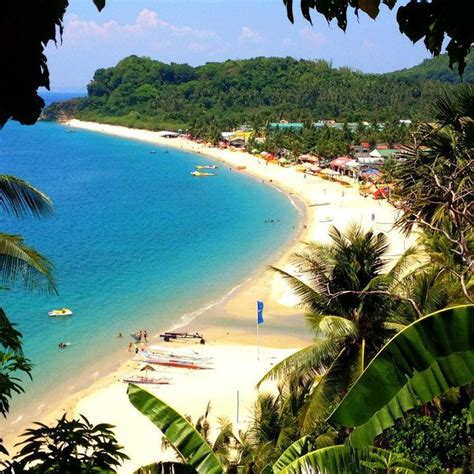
(232, 347)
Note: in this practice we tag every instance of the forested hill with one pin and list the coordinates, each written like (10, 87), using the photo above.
(437, 69)
(141, 92)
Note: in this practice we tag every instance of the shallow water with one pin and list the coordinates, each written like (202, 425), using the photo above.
(135, 240)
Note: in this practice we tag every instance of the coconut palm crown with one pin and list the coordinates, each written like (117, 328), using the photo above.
(346, 288)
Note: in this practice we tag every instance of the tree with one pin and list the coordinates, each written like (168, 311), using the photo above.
(439, 442)
(435, 183)
(183, 436)
(197, 455)
(424, 360)
(18, 262)
(431, 20)
(348, 294)
(70, 446)
(25, 30)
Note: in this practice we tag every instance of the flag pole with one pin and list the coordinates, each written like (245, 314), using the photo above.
(258, 343)
(259, 321)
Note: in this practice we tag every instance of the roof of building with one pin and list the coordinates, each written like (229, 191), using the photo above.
(290, 125)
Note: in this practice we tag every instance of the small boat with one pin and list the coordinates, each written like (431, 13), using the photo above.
(171, 361)
(194, 357)
(206, 167)
(152, 152)
(143, 379)
(200, 174)
(60, 312)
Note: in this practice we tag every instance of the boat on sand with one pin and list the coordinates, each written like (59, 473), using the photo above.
(143, 379)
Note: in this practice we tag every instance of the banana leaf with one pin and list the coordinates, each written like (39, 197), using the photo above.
(421, 362)
(180, 432)
(293, 452)
(343, 458)
(166, 468)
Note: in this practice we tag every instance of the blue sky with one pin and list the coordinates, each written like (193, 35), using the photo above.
(198, 31)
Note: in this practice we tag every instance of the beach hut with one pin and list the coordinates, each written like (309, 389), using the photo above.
(309, 158)
(340, 162)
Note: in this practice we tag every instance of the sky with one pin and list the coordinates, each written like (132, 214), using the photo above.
(200, 31)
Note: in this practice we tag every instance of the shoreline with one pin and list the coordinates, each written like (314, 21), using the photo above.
(236, 339)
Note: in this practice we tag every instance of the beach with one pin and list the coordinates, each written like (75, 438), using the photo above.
(230, 326)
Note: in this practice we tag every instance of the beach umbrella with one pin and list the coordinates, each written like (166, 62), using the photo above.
(146, 368)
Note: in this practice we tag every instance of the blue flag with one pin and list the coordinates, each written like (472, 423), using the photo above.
(260, 312)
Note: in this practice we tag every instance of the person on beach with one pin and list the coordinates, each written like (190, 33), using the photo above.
(130, 347)
(145, 335)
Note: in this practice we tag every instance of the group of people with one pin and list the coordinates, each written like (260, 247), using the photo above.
(142, 336)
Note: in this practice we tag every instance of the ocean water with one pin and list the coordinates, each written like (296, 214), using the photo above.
(135, 240)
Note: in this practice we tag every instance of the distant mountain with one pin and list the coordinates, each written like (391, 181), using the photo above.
(141, 92)
(437, 69)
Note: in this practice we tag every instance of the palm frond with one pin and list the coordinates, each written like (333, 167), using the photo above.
(308, 296)
(19, 198)
(20, 262)
(313, 357)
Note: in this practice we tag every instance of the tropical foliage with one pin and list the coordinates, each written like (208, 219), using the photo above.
(435, 184)
(18, 262)
(183, 436)
(142, 92)
(422, 361)
(70, 446)
(437, 441)
(348, 291)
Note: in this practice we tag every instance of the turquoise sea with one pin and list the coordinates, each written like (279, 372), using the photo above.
(136, 242)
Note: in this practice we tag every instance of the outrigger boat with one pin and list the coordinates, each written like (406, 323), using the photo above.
(206, 167)
(60, 312)
(200, 174)
(143, 379)
(161, 352)
(171, 361)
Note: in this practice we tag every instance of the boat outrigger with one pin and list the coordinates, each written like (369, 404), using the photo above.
(143, 379)
(60, 312)
(173, 361)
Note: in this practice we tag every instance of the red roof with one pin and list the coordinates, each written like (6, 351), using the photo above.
(341, 161)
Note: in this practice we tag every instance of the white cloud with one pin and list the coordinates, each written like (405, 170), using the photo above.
(147, 24)
(248, 34)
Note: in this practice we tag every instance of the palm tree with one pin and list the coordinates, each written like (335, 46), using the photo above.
(434, 182)
(347, 290)
(18, 262)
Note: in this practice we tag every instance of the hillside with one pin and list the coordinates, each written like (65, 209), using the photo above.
(141, 92)
(437, 69)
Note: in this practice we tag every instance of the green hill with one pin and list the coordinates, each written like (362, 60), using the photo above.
(141, 92)
(437, 69)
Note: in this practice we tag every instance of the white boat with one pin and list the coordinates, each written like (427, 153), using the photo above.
(206, 167)
(60, 312)
(200, 174)
(172, 361)
(157, 351)
(143, 379)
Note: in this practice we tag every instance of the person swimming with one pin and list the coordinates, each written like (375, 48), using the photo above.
(62, 345)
